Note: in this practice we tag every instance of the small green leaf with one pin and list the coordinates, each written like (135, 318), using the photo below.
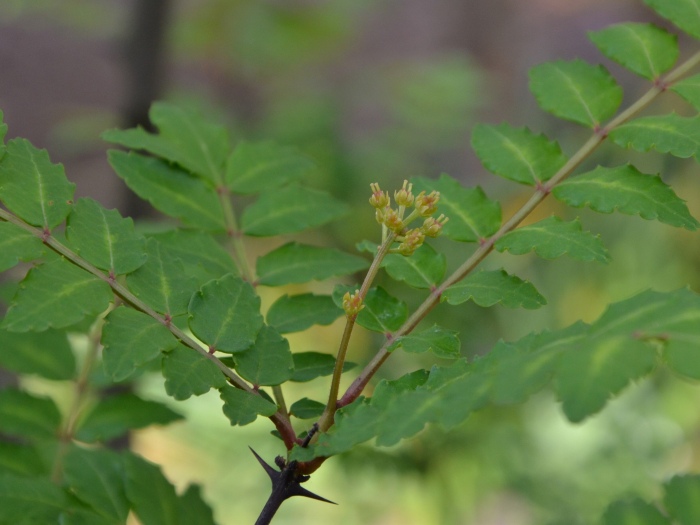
(96, 477)
(225, 314)
(17, 245)
(170, 190)
(310, 365)
(682, 499)
(642, 48)
(552, 238)
(193, 509)
(114, 416)
(32, 187)
(307, 408)
(21, 459)
(689, 89)
(299, 263)
(290, 210)
(424, 269)
(679, 136)
(189, 373)
(440, 341)
(254, 167)
(633, 512)
(25, 415)
(627, 190)
(56, 294)
(242, 408)
(47, 354)
(151, 495)
(104, 238)
(487, 288)
(381, 313)
(268, 361)
(472, 215)
(299, 312)
(576, 91)
(30, 501)
(185, 138)
(684, 13)
(517, 153)
(132, 339)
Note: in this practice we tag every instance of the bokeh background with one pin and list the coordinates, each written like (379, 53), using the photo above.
(378, 90)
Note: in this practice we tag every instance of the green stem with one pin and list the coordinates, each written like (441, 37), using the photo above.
(234, 235)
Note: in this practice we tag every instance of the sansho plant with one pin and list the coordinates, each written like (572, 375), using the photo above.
(180, 302)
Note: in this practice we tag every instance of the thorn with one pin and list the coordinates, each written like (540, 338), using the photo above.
(298, 490)
(270, 471)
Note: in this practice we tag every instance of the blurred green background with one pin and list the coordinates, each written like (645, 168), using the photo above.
(377, 91)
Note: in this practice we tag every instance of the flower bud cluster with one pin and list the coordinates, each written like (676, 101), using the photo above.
(352, 303)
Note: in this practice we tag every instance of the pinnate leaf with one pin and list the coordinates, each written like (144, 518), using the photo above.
(254, 167)
(310, 365)
(642, 48)
(32, 187)
(472, 215)
(289, 210)
(300, 263)
(633, 512)
(268, 361)
(114, 416)
(56, 294)
(440, 341)
(684, 13)
(517, 153)
(47, 354)
(104, 238)
(576, 91)
(188, 373)
(626, 190)
(28, 416)
(552, 238)
(424, 269)
(225, 314)
(242, 408)
(679, 136)
(487, 288)
(170, 190)
(132, 339)
(681, 499)
(17, 245)
(151, 495)
(298, 312)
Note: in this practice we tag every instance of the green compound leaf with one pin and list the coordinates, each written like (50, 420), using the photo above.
(633, 512)
(28, 501)
(299, 263)
(114, 416)
(440, 341)
(576, 91)
(644, 49)
(151, 495)
(381, 313)
(689, 89)
(307, 408)
(32, 187)
(254, 167)
(132, 339)
(517, 154)
(242, 408)
(185, 138)
(424, 269)
(268, 361)
(27, 416)
(552, 238)
(170, 190)
(188, 373)
(299, 312)
(47, 354)
(310, 365)
(684, 13)
(472, 215)
(55, 295)
(487, 288)
(104, 238)
(290, 210)
(679, 136)
(96, 477)
(681, 499)
(17, 245)
(225, 314)
(162, 281)
(626, 190)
